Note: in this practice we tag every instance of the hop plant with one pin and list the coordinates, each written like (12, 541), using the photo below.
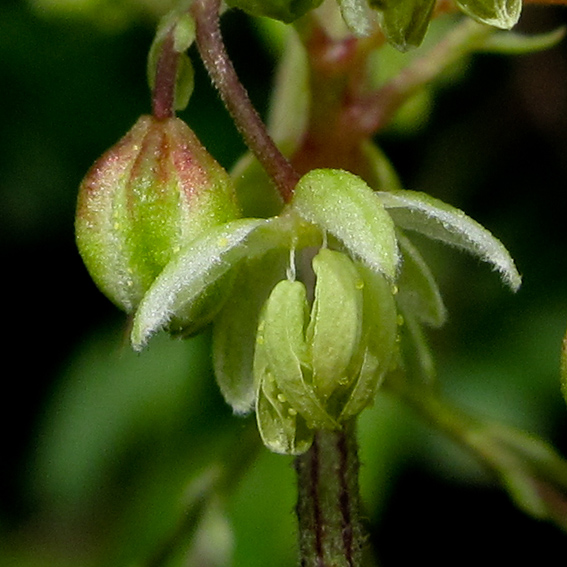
(320, 300)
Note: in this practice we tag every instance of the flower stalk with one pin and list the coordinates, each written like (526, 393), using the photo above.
(219, 66)
(330, 533)
(163, 93)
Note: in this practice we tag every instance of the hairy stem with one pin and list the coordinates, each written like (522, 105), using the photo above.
(163, 94)
(330, 533)
(236, 100)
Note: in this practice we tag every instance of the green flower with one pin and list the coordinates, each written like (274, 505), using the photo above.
(317, 366)
(310, 325)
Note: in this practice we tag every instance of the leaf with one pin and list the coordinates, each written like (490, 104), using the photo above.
(192, 272)
(418, 292)
(234, 330)
(107, 402)
(502, 14)
(422, 213)
(343, 205)
(404, 22)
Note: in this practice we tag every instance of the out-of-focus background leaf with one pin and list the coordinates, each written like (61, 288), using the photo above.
(101, 446)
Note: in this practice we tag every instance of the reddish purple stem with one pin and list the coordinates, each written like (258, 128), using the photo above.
(236, 99)
(163, 95)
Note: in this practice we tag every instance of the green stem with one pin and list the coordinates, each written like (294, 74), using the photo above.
(530, 470)
(330, 533)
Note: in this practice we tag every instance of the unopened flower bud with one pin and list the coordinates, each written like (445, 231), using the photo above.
(317, 368)
(147, 197)
(335, 325)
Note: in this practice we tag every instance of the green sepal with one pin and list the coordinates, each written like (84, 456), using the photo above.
(335, 325)
(357, 16)
(512, 43)
(281, 333)
(281, 428)
(418, 292)
(190, 275)
(191, 318)
(502, 14)
(194, 271)
(343, 205)
(285, 10)
(422, 213)
(379, 340)
(234, 329)
(404, 22)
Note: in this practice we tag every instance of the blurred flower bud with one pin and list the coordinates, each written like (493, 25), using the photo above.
(147, 197)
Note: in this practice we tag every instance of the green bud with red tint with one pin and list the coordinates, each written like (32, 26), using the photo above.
(143, 200)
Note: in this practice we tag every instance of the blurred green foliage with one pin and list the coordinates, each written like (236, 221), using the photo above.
(101, 445)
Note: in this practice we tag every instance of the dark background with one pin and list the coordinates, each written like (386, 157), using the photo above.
(495, 145)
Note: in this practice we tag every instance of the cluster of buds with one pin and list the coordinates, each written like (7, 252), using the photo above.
(306, 346)
(308, 350)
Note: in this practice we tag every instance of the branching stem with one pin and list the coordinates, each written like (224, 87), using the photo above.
(236, 99)
(372, 113)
